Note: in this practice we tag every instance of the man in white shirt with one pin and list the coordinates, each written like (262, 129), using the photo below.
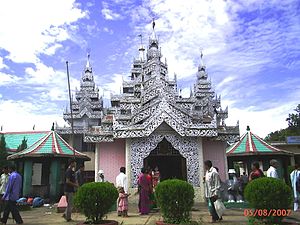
(212, 187)
(272, 171)
(121, 180)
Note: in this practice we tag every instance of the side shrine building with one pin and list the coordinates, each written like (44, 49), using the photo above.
(150, 124)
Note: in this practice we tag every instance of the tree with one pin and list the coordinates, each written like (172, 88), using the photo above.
(294, 119)
(23, 145)
(3, 151)
(293, 128)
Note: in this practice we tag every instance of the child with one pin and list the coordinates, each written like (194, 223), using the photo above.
(122, 202)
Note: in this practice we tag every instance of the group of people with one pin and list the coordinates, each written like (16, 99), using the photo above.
(10, 188)
(212, 183)
(147, 181)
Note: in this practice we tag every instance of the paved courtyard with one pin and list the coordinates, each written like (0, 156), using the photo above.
(49, 216)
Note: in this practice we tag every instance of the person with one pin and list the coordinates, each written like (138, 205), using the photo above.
(295, 176)
(70, 185)
(100, 176)
(123, 202)
(256, 172)
(272, 171)
(3, 183)
(244, 178)
(212, 188)
(155, 177)
(244, 181)
(80, 175)
(11, 195)
(144, 192)
(121, 181)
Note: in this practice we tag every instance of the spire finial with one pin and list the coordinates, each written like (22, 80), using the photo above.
(201, 57)
(153, 23)
(248, 128)
(88, 64)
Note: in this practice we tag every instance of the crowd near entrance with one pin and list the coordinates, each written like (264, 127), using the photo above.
(170, 162)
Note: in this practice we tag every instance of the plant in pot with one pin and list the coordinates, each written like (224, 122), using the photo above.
(94, 200)
(270, 200)
(175, 199)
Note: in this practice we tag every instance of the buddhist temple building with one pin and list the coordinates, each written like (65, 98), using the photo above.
(251, 148)
(151, 124)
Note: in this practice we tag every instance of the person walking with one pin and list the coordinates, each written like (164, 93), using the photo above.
(3, 183)
(272, 171)
(212, 188)
(256, 172)
(70, 185)
(295, 181)
(80, 175)
(144, 192)
(121, 182)
(11, 195)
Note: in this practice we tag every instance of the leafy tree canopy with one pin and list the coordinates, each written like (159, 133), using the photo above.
(293, 128)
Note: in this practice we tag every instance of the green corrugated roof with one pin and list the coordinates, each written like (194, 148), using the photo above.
(50, 144)
(14, 139)
(250, 144)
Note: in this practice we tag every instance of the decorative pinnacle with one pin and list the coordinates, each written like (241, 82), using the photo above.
(88, 64)
(248, 128)
(153, 23)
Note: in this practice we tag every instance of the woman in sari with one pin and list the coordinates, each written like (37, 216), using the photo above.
(144, 192)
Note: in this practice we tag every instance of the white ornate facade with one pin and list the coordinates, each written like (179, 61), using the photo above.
(151, 101)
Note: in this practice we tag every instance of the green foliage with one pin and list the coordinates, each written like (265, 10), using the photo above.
(3, 151)
(175, 199)
(23, 145)
(267, 194)
(95, 199)
(293, 128)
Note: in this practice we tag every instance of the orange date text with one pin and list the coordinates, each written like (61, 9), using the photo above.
(267, 212)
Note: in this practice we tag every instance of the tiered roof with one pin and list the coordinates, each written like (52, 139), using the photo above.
(251, 144)
(151, 99)
(87, 104)
(44, 144)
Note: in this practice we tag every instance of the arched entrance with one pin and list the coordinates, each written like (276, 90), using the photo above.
(188, 147)
(168, 160)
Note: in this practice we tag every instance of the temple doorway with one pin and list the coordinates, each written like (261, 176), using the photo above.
(168, 160)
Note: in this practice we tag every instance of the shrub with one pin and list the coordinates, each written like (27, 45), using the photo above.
(95, 199)
(269, 193)
(175, 199)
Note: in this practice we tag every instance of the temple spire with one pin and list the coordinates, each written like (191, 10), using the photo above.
(141, 49)
(88, 64)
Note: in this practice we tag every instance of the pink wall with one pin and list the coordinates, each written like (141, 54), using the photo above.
(111, 158)
(215, 152)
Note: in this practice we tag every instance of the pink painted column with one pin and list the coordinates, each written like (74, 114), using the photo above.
(215, 151)
(111, 158)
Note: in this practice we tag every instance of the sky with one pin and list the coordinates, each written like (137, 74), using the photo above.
(251, 51)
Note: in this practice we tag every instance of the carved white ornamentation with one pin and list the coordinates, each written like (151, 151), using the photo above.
(188, 148)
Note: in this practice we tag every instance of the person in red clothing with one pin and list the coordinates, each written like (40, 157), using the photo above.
(256, 172)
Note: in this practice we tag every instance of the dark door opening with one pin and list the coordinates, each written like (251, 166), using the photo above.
(168, 160)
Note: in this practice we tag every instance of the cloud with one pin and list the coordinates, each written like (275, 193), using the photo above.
(22, 115)
(109, 14)
(246, 46)
(8, 79)
(34, 27)
(2, 65)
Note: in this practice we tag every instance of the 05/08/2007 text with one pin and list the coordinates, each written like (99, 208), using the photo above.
(267, 212)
